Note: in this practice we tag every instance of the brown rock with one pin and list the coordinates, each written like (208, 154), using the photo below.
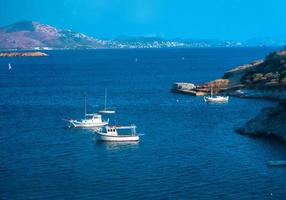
(23, 54)
(257, 77)
(283, 81)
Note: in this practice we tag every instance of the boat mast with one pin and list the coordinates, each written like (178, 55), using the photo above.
(105, 99)
(212, 91)
(84, 105)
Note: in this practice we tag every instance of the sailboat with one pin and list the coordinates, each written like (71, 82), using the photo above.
(9, 66)
(91, 120)
(215, 98)
(106, 110)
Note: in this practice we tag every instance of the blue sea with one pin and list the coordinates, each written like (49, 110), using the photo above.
(188, 149)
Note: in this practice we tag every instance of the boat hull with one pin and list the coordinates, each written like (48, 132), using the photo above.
(87, 125)
(216, 99)
(107, 111)
(121, 138)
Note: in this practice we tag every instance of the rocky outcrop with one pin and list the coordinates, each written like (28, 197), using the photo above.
(271, 122)
(23, 54)
(181, 87)
(218, 85)
(260, 79)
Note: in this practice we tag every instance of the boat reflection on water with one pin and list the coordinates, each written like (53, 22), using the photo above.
(114, 146)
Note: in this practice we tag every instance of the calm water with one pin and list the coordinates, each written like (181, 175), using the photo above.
(189, 149)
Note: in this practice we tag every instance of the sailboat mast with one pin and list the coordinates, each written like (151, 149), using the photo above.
(105, 99)
(85, 106)
(212, 91)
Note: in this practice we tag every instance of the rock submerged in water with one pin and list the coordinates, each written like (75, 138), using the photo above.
(271, 122)
(23, 54)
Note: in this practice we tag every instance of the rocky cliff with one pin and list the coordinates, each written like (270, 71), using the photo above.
(260, 79)
(271, 122)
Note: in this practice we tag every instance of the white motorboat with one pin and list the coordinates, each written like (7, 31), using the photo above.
(106, 110)
(215, 98)
(111, 133)
(92, 120)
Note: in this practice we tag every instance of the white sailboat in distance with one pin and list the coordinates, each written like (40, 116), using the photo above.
(106, 110)
(9, 66)
(215, 98)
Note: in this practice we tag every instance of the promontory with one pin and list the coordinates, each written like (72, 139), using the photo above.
(259, 79)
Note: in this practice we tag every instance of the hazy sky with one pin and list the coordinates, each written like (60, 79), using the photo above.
(201, 19)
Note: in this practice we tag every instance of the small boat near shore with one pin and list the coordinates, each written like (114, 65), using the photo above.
(215, 98)
(111, 133)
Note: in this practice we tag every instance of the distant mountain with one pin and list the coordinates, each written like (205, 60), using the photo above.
(30, 35)
(34, 35)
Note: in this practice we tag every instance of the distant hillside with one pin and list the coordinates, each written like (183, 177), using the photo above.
(30, 35)
(33, 35)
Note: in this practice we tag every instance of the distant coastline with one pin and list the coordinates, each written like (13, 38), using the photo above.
(23, 54)
(31, 35)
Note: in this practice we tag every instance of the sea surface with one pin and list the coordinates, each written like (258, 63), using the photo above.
(188, 149)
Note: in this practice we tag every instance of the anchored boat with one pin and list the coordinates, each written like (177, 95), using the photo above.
(106, 110)
(215, 98)
(111, 133)
(92, 120)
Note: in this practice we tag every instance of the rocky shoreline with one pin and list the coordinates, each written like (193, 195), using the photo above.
(23, 54)
(271, 122)
(264, 79)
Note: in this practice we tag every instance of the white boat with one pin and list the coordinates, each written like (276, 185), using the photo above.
(92, 120)
(106, 110)
(215, 98)
(110, 133)
(9, 66)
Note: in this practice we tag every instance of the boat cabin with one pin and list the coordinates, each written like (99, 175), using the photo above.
(119, 130)
(93, 116)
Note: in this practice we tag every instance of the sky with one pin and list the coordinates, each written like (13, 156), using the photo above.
(195, 19)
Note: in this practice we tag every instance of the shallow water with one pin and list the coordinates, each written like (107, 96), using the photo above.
(188, 151)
